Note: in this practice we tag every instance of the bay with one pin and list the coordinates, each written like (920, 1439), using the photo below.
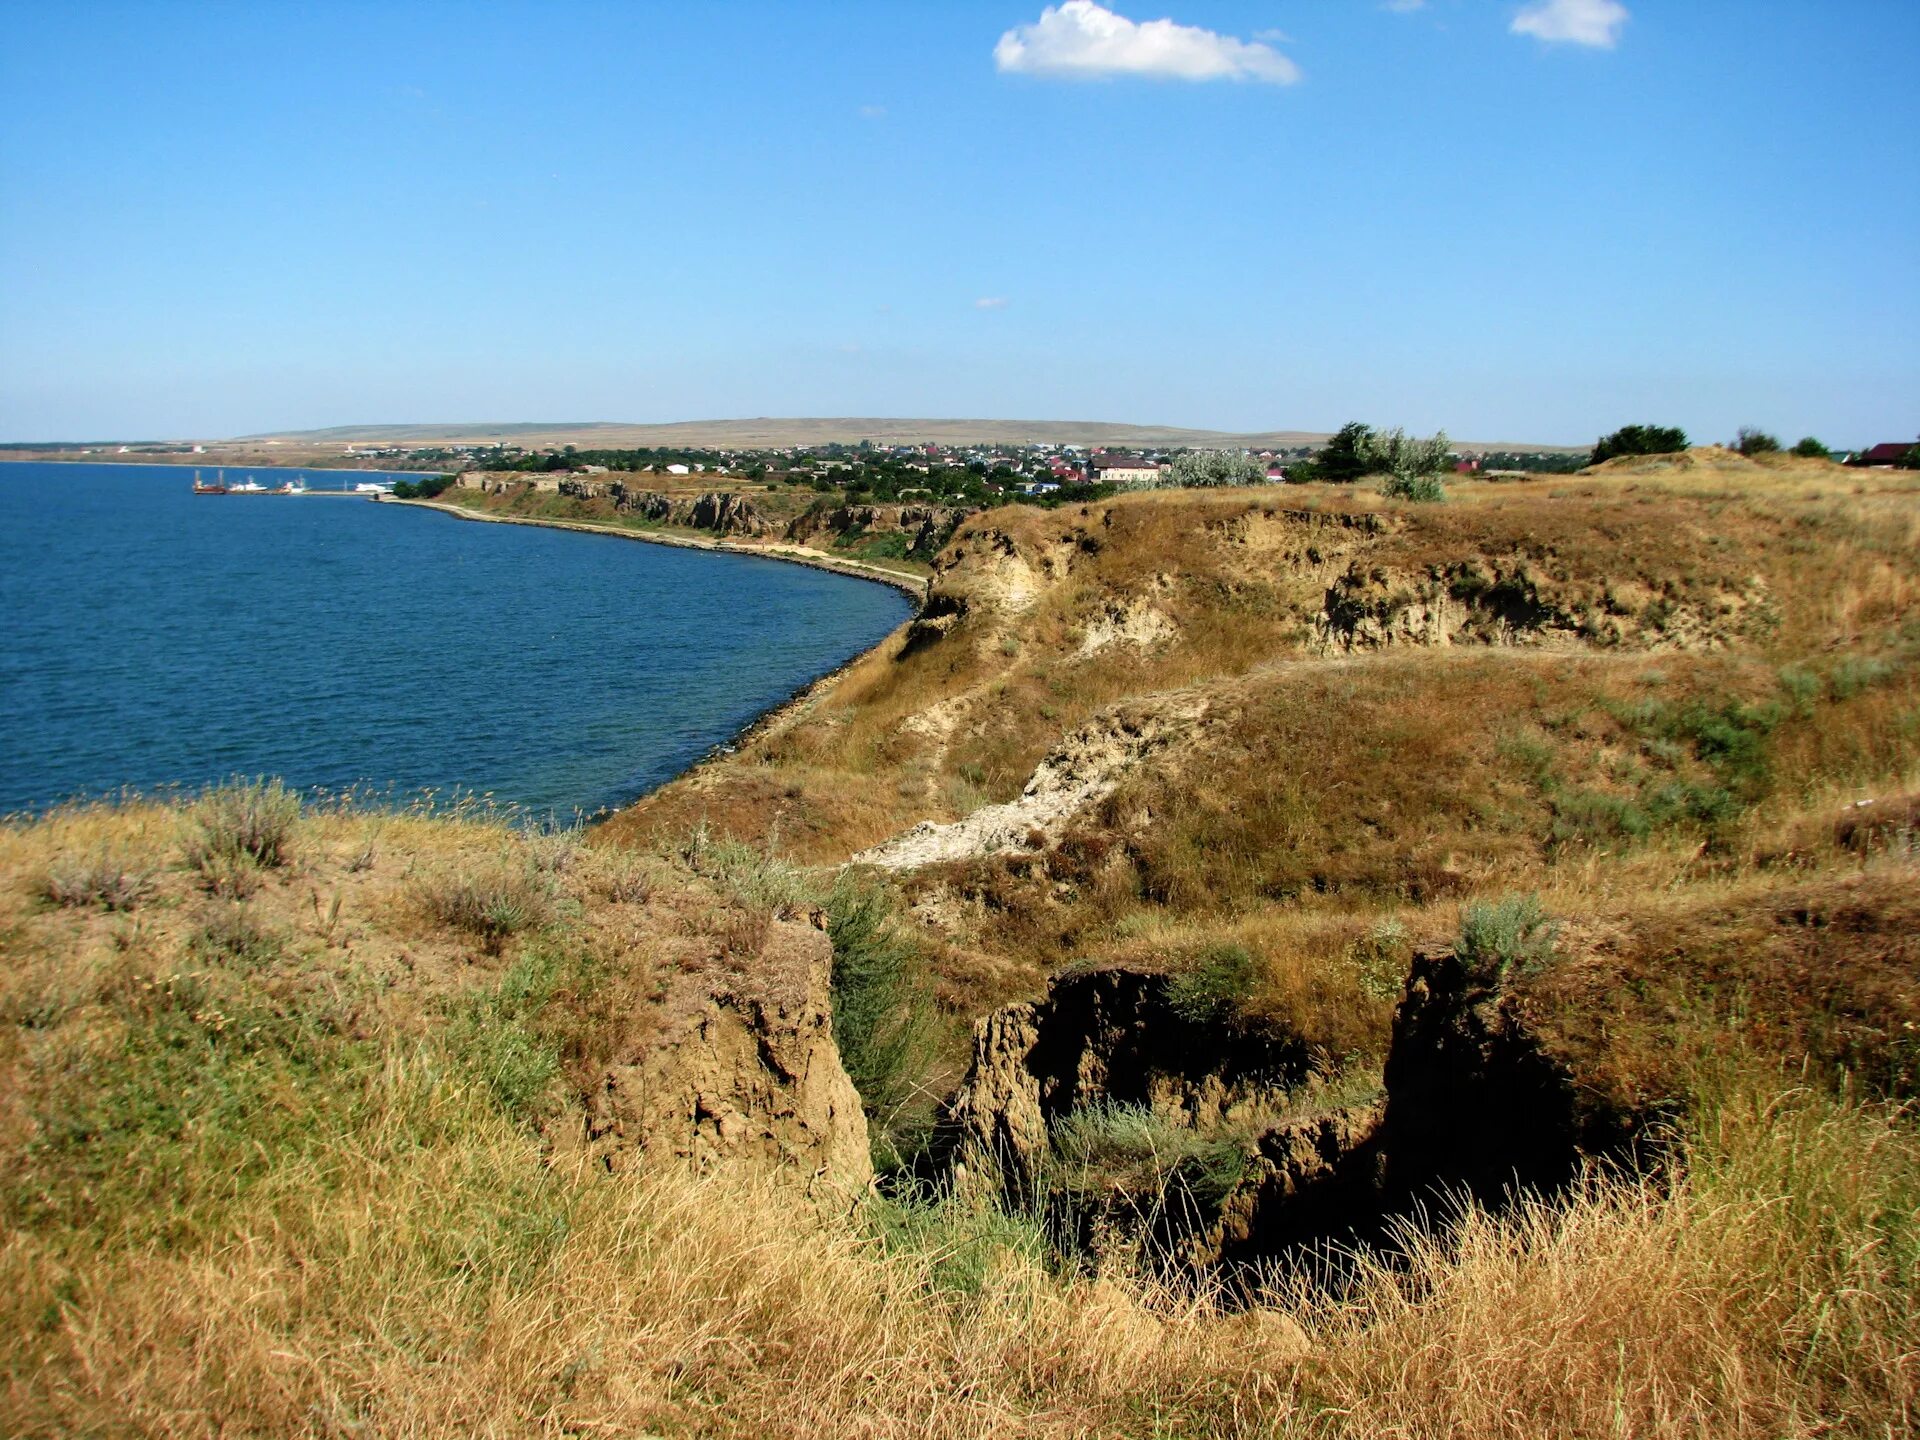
(154, 638)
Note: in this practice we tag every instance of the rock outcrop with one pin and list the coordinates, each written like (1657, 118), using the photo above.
(927, 527)
(1085, 767)
(744, 1070)
(1512, 602)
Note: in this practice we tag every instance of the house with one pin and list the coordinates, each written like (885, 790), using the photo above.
(1891, 453)
(677, 470)
(1127, 471)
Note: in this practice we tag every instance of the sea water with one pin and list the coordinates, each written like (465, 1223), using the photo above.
(153, 638)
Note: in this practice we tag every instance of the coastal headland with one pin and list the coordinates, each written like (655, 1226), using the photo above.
(1269, 958)
(914, 584)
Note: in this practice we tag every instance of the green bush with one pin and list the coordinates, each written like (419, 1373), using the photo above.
(1505, 935)
(1752, 441)
(496, 1036)
(883, 1015)
(1136, 1148)
(1809, 448)
(1425, 488)
(1639, 440)
(1344, 457)
(1220, 980)
(1202, 469)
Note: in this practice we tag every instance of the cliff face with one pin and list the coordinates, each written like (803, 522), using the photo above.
(925, 527)
(1228, 1152)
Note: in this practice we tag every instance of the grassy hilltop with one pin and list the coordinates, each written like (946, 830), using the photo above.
(317, 1121)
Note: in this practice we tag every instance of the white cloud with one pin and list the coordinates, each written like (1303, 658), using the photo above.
(873, 112)
(991, 302)
(1405, 7)
(1082, 39)
(1575, 22)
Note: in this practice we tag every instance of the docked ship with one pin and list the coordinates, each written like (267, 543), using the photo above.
(219, 486)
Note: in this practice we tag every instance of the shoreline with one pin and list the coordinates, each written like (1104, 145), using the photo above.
(914, 585)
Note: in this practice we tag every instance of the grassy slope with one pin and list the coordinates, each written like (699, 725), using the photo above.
(1753, 660)
(299, 1177)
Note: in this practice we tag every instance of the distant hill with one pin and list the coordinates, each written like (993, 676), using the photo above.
(770, 432)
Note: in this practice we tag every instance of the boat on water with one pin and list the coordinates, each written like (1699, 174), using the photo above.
(219, 486)
(248, 486)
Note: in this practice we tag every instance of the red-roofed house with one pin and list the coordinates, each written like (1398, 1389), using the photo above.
(1892, 453)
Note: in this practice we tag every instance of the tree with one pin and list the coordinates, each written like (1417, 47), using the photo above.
(1412, 467)
(1639, 440)
(1344, 456)
(1754, 441)
(1811, 449)
(1215, 467)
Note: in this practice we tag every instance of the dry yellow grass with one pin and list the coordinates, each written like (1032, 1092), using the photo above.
(312, 1193)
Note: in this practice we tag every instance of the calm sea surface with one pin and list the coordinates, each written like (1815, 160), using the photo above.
(150, 637)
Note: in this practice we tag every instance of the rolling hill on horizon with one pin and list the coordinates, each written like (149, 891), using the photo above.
(772, 432)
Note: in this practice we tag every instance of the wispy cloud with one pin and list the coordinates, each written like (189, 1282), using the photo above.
(873, 112)
(1573, 22)
(991, 302)
(1405, 7)
(1084, 40)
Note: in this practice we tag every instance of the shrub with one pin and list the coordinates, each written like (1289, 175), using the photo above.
(493, 901)
(102, 878)
(1220, 980)
(1205, 468)
(758, 879)
(883, 1017)
(1809, 448)
(243, 821)
(232, 934)
(1754, 441)
(1639, 440)
(1512, 933)
(1424, 488)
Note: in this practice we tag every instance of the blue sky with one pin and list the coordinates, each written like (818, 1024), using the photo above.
(1516, 221)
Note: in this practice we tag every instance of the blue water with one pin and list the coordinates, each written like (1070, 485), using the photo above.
(155, 638)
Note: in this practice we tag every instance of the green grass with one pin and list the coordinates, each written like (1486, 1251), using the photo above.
(883, 1016)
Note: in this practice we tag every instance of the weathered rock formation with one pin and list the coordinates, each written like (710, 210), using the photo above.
(747, 1070)
(1511, 602)
(1107, 1037)
(926, 527)
(1475, 1104)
